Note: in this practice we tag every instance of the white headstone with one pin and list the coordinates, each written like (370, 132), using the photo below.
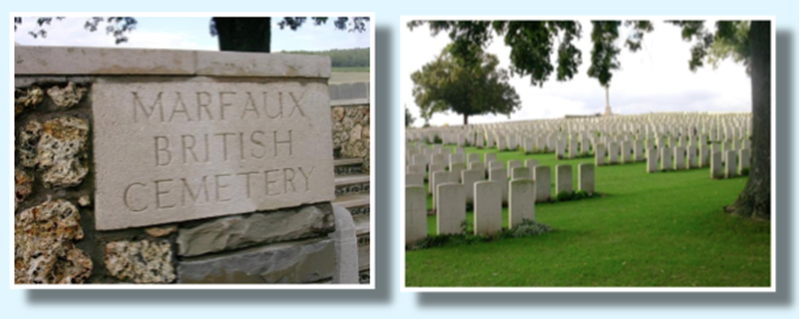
(487, 215)
(416, 214)
(563, 178)
(451, 208)
(522, 195)
(586, 177)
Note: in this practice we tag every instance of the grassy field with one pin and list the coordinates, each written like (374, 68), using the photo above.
(660, 229)
(339, 77)
(359, 69)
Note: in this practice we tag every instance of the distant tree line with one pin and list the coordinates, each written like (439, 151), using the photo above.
(342, 58)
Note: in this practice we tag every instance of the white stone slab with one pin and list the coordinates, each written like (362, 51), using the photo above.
(415, 179)
(487, 213)
(563, 178)
(716, 165)
(541, 175)
(586, 177)
(451, 209)
(521, 199)
(416, 214)
(468, 179)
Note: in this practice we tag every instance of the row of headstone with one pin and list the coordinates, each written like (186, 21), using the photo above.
(729, 164)
(521, 192)
(576, 136)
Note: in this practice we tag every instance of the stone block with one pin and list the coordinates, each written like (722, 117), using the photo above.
(307, 261)
(344, 238)
(260, 228)
(44, 245)
(196, 150)
(141, 262)
(61, 152)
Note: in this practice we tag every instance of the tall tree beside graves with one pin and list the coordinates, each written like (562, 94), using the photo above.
(749, 43)
(245, 34)
(470, 86)
(409, 118)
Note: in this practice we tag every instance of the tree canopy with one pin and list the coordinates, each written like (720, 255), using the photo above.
(532, 44)
(467, 88)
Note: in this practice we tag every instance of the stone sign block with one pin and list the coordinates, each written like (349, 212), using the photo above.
(175, 151)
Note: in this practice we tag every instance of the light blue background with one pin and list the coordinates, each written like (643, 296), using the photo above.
(388, 301)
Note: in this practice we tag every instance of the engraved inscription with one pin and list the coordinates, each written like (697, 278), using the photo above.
(168, 152)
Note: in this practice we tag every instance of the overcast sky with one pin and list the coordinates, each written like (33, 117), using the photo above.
(655, 79)
(187, 33)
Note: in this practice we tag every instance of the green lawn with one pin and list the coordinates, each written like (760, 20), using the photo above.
(351, 69)
(659, 229)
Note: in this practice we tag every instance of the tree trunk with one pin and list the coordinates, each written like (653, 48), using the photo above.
(755, 199)
(466, 122)
(244, 34)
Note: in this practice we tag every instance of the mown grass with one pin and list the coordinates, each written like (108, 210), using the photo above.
(660, 229)
(351, 69)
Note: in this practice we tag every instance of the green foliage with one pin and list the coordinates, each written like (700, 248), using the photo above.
(532, 45)
(731, 40)
(446, 84)
(354, 24)
(409, 118)
(604, 51)
(745, 171)
(119, 27)
(343, 58)
(564, 196)
(527, 228)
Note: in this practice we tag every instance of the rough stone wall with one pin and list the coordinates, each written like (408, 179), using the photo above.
(55, 240)
(350, 113)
